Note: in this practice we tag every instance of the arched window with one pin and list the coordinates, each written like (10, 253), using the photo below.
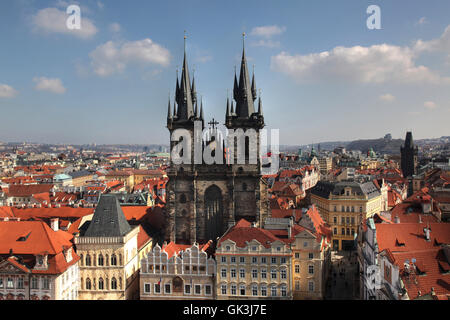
(88, 284)
(113, 284)
(113, 260)
(183, 198)
(177, 284)
(100, 260)
(101, 284)
(88, 259)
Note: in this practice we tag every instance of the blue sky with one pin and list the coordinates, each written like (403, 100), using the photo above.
(323, 74)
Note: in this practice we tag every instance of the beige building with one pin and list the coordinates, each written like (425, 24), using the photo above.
(108, 247)
(325, 165)
(178, 272)
(252, 263)
(344, 204)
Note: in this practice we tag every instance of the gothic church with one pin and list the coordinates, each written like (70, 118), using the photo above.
(203, 200)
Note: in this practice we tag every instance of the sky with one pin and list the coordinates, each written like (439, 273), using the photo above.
(323, 74)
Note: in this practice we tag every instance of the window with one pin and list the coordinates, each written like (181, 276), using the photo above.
(45, 283)
(101, 284)
(167, 288)
(273, 274)
(263, 260)
(343, 231)
(353, 220)
(113, 260)
(335, 209)
(208, 289)
(335, 220)
(283, 260)
(254, 248)
(342, 220)
(224, 259)
(348, 231)
(353, 232)
(233, 259)
(20, 283)
(274, 260)
(311, 286)
(278, 249)
(147, 288)
(88, 260)
(182, 198)
(233, 289)
(342, 208)
(241, 259)
(297, 285)
(311, 255)
(283, 274)
(263, 291)
(187, 289)
(348, 220)
(34, 283)
(297, 255)
(233, 273)
(263, 273)
(224, 289)
(254, 273)
(273, 291)
(353, 209)
(360, 209)
(114, 284)
(311, 269)
(242, 290)
(1, 282)
(88, 284)
(242, 273)
(223, 273)
(254, 259)
(157, 288)
(297, 268)
(228, 248)
(100, 260)
(305, 244)
(254, 290)
(283, 291)
(198, 289)
(335, 231)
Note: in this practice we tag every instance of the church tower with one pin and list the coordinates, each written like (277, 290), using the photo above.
(203, 200)
(409, 156)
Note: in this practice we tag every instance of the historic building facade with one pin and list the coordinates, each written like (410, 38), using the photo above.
(204, 199)
(178, 272)
(108, 248)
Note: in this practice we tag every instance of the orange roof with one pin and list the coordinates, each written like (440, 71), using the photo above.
(135, 212)
(143, 238)
(6, 212)
(62, 212)
(18, 190)
(173, 248)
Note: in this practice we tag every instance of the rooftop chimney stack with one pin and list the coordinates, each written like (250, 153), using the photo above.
(427, 232)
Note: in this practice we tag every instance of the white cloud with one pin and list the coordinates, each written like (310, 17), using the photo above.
(49, 84)
(112, 57)
(53, 20)
(430, 105)
(422, 21)
(375, 64)
(100, 5)
(204, 58)
(387, 97)
(115, 27)
(441, 44)
(267, 31)
(7, 91)
(266, 43)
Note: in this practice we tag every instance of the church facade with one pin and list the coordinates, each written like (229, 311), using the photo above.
(204, 200)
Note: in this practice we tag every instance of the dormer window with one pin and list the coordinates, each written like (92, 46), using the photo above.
(41, 262)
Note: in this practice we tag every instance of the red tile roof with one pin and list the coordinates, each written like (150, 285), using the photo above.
(173, 248)
(28, 190)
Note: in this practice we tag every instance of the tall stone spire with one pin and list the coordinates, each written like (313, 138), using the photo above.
(169, 111)
(243, 91)
(184, 93)
(253, 84)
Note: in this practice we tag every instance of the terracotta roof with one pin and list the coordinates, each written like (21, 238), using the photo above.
(173, 248)
(28, 189)
(135, 212)
(243, 232)
(143, 238)
(62, 212)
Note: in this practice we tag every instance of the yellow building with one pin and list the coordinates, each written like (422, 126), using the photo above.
(126, 177)
(344, 204)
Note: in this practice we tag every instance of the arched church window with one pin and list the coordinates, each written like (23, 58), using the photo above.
(100, 260)
(88, 259)
(88, 284)
(101, 284)
(113, 284)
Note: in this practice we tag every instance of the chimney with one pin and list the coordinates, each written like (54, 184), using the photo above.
(420, 218)
(427, 232)
(54, 224)
(397, 219)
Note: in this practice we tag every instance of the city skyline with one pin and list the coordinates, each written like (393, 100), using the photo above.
(109, 83)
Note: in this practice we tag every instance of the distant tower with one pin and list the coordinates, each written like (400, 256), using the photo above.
(409, 156)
